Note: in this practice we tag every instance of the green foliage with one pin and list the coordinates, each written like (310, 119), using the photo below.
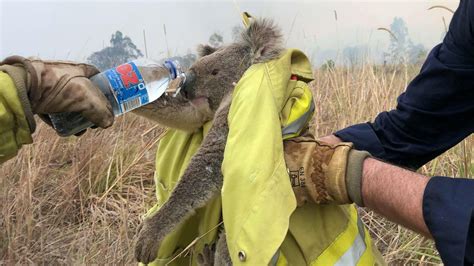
(121, 50)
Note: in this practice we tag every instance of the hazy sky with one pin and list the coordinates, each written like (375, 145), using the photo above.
(74, 29)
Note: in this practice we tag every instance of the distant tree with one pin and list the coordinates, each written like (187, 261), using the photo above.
(216, 40)
(121, 50)
(189, 59)
(328, 65)
(402, 50)
(355, 55)
(400, 42)
(417, 54)
(236, 30)
(185, 61)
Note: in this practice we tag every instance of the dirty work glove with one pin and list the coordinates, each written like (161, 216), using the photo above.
(323, 173)
(46, 87)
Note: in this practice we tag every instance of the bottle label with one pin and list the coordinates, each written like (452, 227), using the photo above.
(128, 86)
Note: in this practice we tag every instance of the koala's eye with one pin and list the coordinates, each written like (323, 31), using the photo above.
(215, 72)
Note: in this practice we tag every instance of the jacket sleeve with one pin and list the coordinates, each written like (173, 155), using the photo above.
(448, 210)
(14, 127)
(435, 112)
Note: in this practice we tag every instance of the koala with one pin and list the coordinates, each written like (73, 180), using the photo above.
(205, 96)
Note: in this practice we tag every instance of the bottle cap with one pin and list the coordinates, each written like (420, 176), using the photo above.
(173, 68)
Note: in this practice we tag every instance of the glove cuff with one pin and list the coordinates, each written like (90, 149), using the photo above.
(355, 164)
(336, 173)
(20, 78)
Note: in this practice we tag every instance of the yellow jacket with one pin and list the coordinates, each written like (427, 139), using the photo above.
(258, 206)
(257, 197)
(14, 128)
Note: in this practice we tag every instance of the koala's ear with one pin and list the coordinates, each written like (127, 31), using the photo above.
(264, 39)
(204, 49)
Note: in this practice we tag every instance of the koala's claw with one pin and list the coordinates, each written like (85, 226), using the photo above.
(206, 257)
(147, 245)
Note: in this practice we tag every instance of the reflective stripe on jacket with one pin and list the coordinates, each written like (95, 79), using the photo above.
(14, 128)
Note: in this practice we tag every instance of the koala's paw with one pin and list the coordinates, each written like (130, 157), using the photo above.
(206, 257)
(147, 244)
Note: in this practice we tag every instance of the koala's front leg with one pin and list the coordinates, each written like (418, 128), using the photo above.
(201, 182)
(222, 256)
(216, 254)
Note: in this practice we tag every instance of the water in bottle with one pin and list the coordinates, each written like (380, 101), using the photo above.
(126, 87)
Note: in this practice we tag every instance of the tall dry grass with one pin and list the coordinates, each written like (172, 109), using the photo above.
(79, 200)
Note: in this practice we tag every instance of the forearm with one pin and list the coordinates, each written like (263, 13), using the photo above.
(395, 193)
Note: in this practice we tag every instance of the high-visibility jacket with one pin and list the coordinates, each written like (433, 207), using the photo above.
(14, 128)
(262, 224)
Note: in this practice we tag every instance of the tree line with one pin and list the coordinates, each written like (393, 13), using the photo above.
(401, 50)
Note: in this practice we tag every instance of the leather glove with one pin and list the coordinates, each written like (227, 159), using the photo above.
(47, 87)
(322, 173)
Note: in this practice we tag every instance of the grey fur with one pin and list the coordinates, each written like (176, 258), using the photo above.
(264, 40)
(205, 49)
(206, 257)
(210, 97)
(215, 254)
(177, 113)
(222, 256)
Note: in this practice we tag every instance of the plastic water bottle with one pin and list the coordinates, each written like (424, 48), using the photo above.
(126, 87)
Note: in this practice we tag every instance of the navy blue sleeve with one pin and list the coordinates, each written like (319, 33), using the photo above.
(437, 109)
(434, 113)
(448, 209)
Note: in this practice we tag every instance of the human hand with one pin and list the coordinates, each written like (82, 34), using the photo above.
(59, 86)
(324, 173)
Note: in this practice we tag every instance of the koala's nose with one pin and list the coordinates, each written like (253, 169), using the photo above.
(187, 88)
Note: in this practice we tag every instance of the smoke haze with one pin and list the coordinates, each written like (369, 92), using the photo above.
(74, 29)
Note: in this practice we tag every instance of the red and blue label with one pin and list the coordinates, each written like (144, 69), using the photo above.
(128, 86)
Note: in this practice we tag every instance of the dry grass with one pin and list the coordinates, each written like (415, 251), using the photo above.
(79, 200)
(51, 195)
